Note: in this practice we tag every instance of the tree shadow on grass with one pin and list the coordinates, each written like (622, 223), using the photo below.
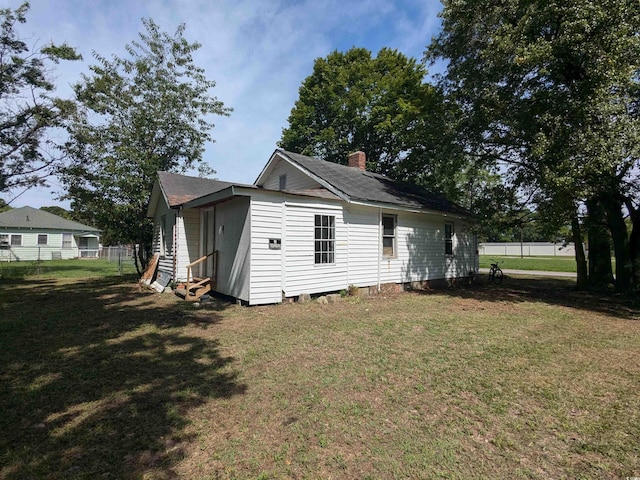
(97, 380)
(553, 291)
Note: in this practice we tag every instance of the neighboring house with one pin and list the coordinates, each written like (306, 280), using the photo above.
(308, 226)
(27, 233)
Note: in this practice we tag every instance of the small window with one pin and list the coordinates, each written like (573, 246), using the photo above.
(16, 240)
(42, 239)
(325, 239)
(448, 238)
(4, 238)
(283, 182)
(389, 235)
(163, 235)
(67, 240)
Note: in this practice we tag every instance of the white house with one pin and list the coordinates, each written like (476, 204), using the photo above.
(27, 233)
(307, 226)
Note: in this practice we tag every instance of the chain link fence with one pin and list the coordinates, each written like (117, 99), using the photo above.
(121, 254)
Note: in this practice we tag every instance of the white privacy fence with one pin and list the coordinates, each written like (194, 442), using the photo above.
(527, 249)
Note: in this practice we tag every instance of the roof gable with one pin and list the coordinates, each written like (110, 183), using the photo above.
(363, 186)
(180, 189)
(33, 218)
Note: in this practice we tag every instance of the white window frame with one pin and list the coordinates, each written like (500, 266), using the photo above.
(46, 239)
(448, 238)
(14, 237)
(69, 241)
(390, 236)
(324, 250)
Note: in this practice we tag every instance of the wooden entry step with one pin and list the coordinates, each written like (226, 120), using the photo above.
(193, 291)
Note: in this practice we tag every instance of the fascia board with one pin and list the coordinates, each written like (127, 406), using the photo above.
(266, 168)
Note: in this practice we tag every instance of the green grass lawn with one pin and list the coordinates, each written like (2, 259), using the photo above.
(76, 268)
(530, 380)
(549, 264)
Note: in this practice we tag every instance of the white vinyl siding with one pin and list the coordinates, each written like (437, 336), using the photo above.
(302, 274)
(295, 179)
(419, 253)
(265, 264)
(187, 241)
(232, 241)
(363, 245)
(163, 237)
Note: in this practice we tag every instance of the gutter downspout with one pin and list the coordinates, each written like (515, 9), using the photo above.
(379, 246)
(175, 244)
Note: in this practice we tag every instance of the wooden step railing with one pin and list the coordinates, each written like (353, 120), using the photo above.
(200, 286)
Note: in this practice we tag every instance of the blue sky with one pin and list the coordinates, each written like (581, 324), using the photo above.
(258, 53)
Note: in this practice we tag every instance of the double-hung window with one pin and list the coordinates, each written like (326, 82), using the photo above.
(16, 240)
(325, 239)
(42, 238)
(448, 238)
(67, 240)
(389, 235)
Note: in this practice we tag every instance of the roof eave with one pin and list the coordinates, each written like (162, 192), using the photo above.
(211, 198)
(406, 208)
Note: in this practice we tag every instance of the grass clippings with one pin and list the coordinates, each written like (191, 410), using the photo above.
(527, 380)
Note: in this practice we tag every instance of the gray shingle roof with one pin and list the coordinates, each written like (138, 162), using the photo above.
(33, 218)
(366, 186)
(180, 189)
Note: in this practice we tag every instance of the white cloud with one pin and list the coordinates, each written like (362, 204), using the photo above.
(257, 52)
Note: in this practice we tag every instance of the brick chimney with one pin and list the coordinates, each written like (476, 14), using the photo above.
(358, 159)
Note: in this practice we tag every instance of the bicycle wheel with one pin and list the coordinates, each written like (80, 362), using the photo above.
(497, 277)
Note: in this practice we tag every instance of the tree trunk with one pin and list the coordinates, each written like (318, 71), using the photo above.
(136, 260)
(620, 237)
(600, 270)
(581, 262)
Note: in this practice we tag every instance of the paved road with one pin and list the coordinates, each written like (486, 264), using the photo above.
(539, 273)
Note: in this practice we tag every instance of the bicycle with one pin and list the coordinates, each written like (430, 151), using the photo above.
(495, 274)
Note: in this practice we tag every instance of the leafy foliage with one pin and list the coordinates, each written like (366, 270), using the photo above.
(139, 115)
(382, 106)
(56, 210)
(27, 108)
(549, 94)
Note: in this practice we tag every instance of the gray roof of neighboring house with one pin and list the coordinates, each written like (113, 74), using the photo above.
(366, 186)
(35, 219)
(179, 189)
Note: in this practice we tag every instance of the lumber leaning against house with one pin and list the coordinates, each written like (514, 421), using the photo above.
(309, 226)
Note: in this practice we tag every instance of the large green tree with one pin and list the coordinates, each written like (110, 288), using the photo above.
(148, 112)
(382, 106)
(548, 93)
(28, 108)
